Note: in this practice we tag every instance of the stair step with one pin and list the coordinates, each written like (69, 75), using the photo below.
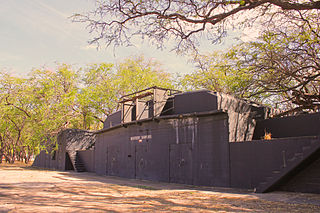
(79, 165)
(81, 168)
(304, 148)
(292, 159)
(268, 179)
(314, 141)
(291, 162)
(295, 157)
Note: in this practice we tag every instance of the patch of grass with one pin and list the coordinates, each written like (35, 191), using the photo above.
(15, 164)
(144, 187)
(36, 168)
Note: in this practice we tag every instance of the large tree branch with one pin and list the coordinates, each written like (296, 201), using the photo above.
(287, 5)
(19, 108)
(117, 21)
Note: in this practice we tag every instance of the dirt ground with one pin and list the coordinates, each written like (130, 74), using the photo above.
(25, 189)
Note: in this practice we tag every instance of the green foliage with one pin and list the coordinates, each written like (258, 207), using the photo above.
(219, 72)
(285, 64)
(97, 97)
(34, 110)
(136, 74)
(104, 84)
(281, 68)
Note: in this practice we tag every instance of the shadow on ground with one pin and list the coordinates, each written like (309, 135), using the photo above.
(31, 189)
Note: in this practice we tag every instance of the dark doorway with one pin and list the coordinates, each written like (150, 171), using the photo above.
(68, 164)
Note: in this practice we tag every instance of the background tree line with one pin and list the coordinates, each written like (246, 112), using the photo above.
(280, 68)
(34, 109)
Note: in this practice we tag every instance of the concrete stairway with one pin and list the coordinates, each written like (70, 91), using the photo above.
(289, 164)
(78, 164)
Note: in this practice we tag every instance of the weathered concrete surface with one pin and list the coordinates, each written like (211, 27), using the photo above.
(75, 139)
(31, 190)
(69, 141)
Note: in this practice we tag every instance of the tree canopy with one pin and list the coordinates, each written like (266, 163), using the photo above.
(34, 109)
(118, 22)
(280, 68)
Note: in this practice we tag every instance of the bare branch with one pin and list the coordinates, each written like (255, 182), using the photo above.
(117, 22)
(17, 107)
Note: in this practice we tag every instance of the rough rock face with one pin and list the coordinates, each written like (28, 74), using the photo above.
(69, 142)
(74, 140)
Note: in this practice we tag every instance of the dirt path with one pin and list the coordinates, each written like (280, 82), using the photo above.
(32, 190)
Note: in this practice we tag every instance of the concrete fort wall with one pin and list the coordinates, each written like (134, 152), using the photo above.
(69, 141)
(252, 162)
(191, 150)
(291, 126)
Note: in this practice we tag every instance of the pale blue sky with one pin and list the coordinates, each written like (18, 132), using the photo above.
(36, 33)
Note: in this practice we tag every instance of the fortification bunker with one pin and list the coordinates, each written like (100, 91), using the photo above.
(206, 138)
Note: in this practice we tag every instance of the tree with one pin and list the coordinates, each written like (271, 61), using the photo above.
(281, 68)
(54, 94)
(98, 98)
(34, 110)
(14, 118)
(105, 83)
(138, 73)
(285, 62)
(118, 22)
(220, 72)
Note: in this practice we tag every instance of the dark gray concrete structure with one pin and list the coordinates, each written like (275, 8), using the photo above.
(170, 150)
(206, 138)
(65, 158)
